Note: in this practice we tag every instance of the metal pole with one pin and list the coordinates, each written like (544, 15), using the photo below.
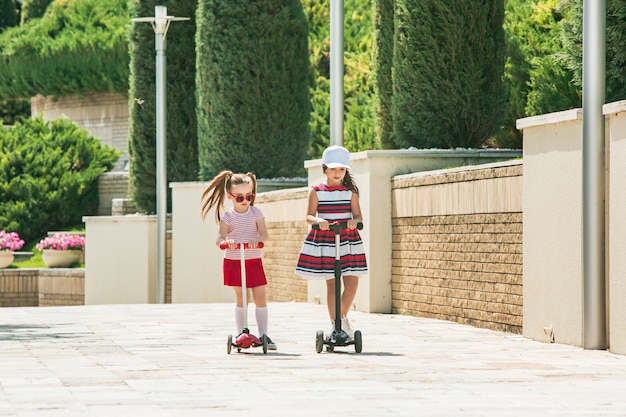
(160, 23)
(160, 12)
(594, 54)
(336, 72)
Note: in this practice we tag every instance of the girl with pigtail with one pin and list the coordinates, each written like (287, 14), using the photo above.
(241, 223)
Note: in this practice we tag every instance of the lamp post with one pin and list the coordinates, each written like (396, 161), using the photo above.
(161, 23)
(594, 83)
(336, 72)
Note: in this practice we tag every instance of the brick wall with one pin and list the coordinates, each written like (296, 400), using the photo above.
(279, 259)
(32, 287)
(111, 186)
(457, 247)
(19, 288)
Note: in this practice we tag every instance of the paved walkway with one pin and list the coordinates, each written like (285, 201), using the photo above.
(170, 360)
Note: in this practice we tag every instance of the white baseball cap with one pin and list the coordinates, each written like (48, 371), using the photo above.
(336, 157)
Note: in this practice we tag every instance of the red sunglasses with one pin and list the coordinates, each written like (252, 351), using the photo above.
(239, 198)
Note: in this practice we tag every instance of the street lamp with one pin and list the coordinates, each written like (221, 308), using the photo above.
(161, 23)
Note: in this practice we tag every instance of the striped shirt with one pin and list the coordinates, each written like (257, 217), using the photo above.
(242, 227)
(333, 202)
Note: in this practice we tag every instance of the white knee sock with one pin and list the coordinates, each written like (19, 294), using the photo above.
(261, 320)
(239, 319)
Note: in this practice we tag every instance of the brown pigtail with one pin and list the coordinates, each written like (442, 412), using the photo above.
(214, 194)
(253, 179)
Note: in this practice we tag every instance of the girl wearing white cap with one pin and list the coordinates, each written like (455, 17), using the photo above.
(335, 200)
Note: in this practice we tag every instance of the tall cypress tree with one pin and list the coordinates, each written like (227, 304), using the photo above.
(8, 14)
(448, 65)
(383, 60)
(252, 87)
(182, 142)
(615, 38)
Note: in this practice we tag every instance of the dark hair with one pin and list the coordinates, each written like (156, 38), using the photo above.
(348, 180)
(215, 192)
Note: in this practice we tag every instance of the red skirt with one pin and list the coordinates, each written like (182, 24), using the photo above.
(255, 274)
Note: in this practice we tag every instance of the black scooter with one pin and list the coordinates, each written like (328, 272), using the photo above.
(338, 337)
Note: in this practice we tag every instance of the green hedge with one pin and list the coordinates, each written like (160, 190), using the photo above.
(447, 72)
(49, 176)
(182, 136)
(77, 47)
(252, 87)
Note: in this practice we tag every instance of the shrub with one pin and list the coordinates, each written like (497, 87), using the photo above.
(76, 47)
(48, 175)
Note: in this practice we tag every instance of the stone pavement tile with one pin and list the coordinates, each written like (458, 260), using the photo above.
(170, 360)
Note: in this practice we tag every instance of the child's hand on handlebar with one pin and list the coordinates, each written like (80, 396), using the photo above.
(352, 224)
(231, 244)
(323, 224)
(253, 243)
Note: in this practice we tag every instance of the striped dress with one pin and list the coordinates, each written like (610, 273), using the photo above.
(317, 257)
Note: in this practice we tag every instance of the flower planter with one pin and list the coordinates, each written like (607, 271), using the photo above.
(6, 258)
(60, 258)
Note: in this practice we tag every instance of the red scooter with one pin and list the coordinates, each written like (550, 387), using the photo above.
(246, 339)
(338, 337)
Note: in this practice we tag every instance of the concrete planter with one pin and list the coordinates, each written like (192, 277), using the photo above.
(6, 258)
(60, 258)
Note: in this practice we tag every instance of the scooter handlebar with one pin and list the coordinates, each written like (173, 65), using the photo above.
(336, 226)
(224, 246)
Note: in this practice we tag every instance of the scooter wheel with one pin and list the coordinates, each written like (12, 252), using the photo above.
(229, 345)
(358, 341)
(330, 348)
(319, 341)
(264, 340)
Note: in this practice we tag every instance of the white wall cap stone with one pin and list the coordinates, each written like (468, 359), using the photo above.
(425, 153)
(550, 118)
(514, 162)
(614, 107)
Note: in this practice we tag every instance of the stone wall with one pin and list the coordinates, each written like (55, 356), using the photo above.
(104, 115)
(111, 186)
(33, 287)
(457, 247)
(279, 259)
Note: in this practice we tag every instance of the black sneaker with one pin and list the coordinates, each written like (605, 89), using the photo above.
(270, 344)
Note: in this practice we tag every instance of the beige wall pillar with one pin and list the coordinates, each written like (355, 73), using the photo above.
(196, 261)
(120, 259)
(552, 217)
(616, 236)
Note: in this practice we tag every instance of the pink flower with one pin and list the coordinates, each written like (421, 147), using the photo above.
(62, 241)
(10, 241)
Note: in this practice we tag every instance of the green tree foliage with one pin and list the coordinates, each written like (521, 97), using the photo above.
(383, 73)
(615, 40)
(8, 14)
(252, 87)
(12, 110)
(536, 80)
(78, 46)
(34, 9)
(49, 175)
(448, 65)
(182, 138)
(359, 88)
